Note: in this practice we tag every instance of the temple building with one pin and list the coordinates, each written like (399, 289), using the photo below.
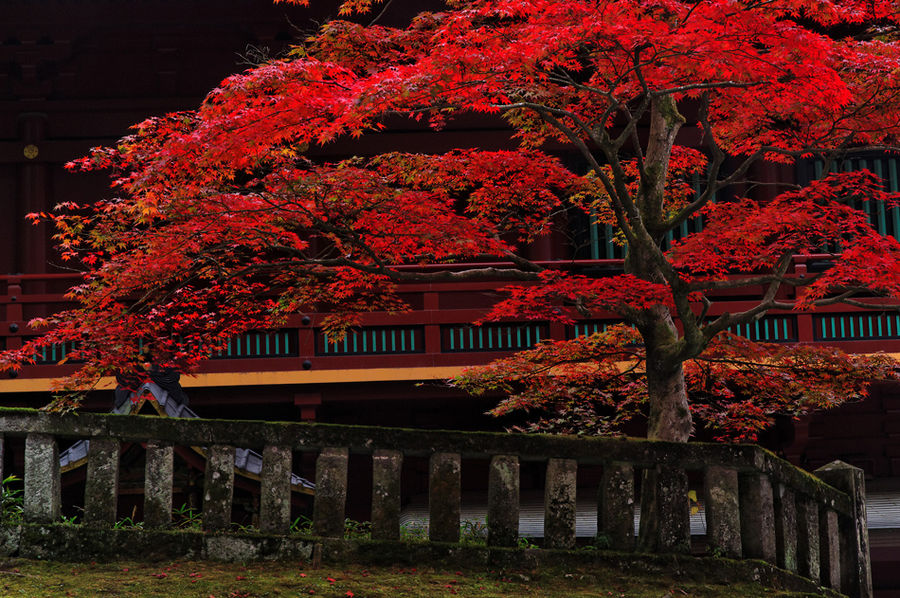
(74, 75)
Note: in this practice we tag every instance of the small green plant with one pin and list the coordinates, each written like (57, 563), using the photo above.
(414, 531)
(357, 530)
(473, 532)
(353, 530)
(128, 523)
(526, 542)
(68, 519)
(302, 525)
(247, 529)
(602, 542)
(11, 500)
(185, 517)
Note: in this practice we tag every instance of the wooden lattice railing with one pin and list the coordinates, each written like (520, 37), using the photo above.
(438, 328)
(756, 505)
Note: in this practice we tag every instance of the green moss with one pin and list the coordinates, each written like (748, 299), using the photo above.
(131, 579)
(79, 544)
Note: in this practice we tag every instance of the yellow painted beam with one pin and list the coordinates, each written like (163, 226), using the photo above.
(221, 379)
(265, 378)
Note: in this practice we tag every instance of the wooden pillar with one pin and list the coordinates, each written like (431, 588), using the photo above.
(14, 313)
(33, 196)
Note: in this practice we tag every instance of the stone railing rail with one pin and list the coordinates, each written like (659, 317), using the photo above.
(756, 505)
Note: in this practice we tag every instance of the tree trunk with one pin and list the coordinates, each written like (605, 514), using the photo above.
(670, 415)
(670, 419)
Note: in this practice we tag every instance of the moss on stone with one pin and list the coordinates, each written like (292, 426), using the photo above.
(365, 439)
(75, 543)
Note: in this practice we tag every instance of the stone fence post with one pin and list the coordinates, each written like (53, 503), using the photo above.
(331, 492)
(756, 505)
(102, 486)
(855, 564)
(757, 508)
(42, 485)
(615, 513)
(158, 473)
(444, 494)
(275, 490)
(503, 501)
(218, 487)
(723, 515)
(559, 503)
(387, 467)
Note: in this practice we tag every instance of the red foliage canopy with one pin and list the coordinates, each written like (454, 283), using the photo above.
(224, 222)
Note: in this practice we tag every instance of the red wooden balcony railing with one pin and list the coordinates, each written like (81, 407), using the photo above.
(437, 330)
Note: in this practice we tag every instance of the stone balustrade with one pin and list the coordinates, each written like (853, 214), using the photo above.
(756, 505)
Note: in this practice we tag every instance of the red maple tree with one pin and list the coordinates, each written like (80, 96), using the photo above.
(637, 113)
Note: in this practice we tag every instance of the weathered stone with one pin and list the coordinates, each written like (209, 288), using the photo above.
(309, 437)
(10, 540)
(2, 456)
(158, 470)
(674, 510)
(808, 538)
(444, 497)
(785, 527)
(855, 563)
(275, 490)
(648, 532)
(236, 549)
(218, 487)
(314, 436)
(42, 487)
(503, 501)
(615, 513)
(829, 548)
(329, 508)
(559, 503)
(387, 467)
(68, 542)
(723, 514)
(102, 486)
(757, 517)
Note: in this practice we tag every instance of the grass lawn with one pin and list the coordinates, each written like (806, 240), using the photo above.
(189, 579)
